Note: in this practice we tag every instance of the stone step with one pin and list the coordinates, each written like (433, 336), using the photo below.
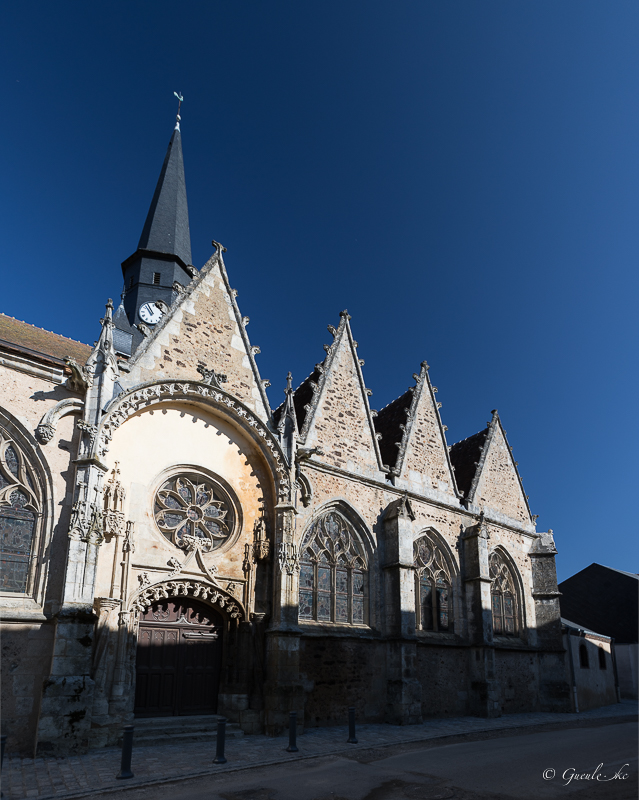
(164, 730)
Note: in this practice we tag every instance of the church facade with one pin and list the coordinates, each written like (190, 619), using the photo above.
(172, 545)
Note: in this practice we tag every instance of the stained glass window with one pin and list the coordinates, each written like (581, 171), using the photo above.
(432, 586)
(192, 510)
(333, 573)
(19, 513)
(503, 596)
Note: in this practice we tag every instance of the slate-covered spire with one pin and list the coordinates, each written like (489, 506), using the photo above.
(166, 229)
(160, 268)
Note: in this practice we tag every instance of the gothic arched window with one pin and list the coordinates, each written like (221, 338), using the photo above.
(333, 572)
(503, 597)
(433, 587)
(20, 508)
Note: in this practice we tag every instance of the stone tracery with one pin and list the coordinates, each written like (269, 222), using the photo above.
(433, 586)
(333, 572)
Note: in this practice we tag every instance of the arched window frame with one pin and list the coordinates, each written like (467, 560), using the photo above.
(334, 572)
(505, 600)
(433, 584)
(584, 659)
(38, 489)
(602, 658)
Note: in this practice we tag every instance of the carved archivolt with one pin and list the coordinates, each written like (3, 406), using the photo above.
(49, 422)
(147, 395)
(194, 588)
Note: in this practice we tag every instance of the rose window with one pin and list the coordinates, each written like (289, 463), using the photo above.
(193, 511)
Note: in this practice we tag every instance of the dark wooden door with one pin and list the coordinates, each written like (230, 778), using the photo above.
(178, 659)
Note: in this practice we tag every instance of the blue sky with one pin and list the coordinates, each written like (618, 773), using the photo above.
(462, 176)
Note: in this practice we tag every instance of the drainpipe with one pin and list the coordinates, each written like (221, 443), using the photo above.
(614, 668)
(573, 678)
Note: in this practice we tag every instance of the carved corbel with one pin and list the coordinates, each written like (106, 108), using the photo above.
(49, 422)
(81, 377)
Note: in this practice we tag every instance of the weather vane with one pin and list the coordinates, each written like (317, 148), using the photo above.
(178, 117)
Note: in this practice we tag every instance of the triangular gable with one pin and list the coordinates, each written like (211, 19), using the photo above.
(337, 417)
(423, 456)
(497, 483)
(204, 327)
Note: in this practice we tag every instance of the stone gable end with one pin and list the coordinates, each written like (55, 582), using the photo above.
(203, 329)
(425, 449)
(340, 424)
(499, 485)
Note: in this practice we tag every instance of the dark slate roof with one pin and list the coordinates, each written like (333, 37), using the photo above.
(166, 229)
(22, 337)
(604, 600)
(387, 423)
(464, 457)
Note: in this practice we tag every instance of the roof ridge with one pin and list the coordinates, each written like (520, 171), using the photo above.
(38, 328)
(461, 441)
(399, 397)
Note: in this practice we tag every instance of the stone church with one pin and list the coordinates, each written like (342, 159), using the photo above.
(172, 545)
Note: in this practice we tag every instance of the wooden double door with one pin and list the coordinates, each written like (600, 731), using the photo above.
(178, 659)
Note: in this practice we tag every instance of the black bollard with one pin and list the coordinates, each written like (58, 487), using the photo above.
(352, 739)
(292, 732)
(221, 738)
(3, 741)
(127, 752)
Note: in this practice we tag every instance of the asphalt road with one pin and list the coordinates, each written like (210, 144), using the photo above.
(497, 768)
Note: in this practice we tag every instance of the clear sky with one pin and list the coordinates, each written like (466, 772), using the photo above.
(461, 176)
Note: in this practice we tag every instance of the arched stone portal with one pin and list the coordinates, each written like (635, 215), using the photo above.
(178, 660)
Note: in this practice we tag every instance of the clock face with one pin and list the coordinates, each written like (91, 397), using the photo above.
(150, 313)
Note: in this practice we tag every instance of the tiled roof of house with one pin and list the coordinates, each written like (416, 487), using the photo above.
(387, 423)
(26, 338)
(464, 457)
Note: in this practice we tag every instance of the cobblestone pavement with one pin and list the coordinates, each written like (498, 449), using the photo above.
(76, 776)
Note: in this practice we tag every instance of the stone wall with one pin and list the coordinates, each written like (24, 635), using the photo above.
(518, 676)
(26, 660)
(443, 673)
(338, 672)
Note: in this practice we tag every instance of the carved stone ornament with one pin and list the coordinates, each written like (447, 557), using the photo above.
(288, 558)
(128, 403)
(113, 498)
(167, 589)
(211, 377)
(81, 377)
(261, 544)
(194, 512)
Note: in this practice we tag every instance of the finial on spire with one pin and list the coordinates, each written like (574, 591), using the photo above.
(178, 117)
(289, 383)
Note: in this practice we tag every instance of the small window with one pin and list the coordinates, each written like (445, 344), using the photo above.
(602, 658)
(156, 278)
(583, 657)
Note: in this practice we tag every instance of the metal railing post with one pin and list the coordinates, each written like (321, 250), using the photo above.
(292, 732)
(352, 739)
(221, 739)
(127, 752)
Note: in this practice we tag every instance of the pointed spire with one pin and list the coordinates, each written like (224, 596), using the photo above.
(166, 229)
(287, 425)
